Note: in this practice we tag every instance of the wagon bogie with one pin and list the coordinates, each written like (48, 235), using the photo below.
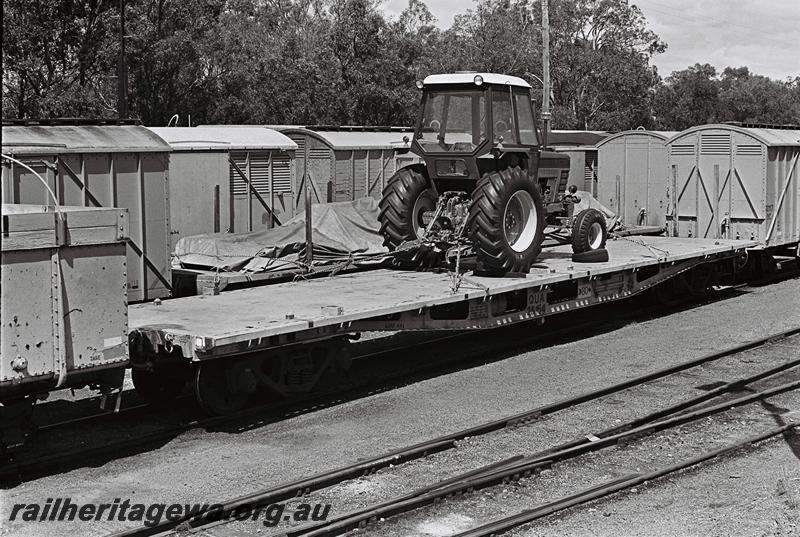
(226, 380)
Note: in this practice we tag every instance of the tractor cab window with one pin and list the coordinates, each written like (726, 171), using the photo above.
(527, 128)
(503, 117)
(453, 121)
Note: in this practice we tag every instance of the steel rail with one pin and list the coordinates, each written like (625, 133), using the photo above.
(594, 493)
(319, 481)
(641, 431)
(92, 417)
(512, 468)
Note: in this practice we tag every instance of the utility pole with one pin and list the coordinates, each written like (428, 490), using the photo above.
(307, 186)
(122, 67)
(545, 72)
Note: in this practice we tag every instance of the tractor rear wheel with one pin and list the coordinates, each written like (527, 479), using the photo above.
(407, 196)
(506, 221)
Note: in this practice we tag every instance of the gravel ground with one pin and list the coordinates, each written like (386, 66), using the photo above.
(656, 515)
(208, 466)
(757, 493)
(553, 430)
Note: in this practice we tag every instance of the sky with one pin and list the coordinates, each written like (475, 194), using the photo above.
(761, 35)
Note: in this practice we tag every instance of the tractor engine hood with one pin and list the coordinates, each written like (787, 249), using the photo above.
(553, 159)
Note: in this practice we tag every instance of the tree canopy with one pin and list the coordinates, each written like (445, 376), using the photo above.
(699, 95)
(345, 62)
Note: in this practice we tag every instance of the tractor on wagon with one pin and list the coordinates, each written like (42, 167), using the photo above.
(479, 190)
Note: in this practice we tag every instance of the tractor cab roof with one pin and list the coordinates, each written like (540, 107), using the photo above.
(469, 78)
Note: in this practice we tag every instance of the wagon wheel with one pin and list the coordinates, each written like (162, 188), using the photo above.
(673, 292)
(214, 390)
(159, 386)
(15, 422)
(699, 280)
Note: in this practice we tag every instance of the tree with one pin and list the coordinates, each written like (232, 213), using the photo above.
(696, 95)
(344, 62)
(58, 58)
(413, 43)
(687, 98)
(497, 36)
(750, 98)
(601, 74)
(170, 57)
(277, 67)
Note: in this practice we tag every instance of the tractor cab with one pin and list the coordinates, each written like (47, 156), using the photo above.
(472, 115)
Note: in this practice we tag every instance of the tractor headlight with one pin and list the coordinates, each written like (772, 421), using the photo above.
(419, 84)
(478, 80)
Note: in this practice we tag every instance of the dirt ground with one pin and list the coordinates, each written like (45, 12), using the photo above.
(752, 493)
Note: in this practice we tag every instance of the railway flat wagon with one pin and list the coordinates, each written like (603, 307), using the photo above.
(632, 176)
(228, 179)
(347, 163)
(284, 338)
(731, 181)
(63, 307)
(100, 166)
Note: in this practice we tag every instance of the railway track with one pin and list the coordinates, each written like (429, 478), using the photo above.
(664, 419)
(602, 490)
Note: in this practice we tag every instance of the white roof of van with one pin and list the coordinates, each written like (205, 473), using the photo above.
(770, 137)
(223, 137)
(661, 135)
(64, 139)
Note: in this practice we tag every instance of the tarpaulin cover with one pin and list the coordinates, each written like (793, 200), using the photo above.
(340, 231)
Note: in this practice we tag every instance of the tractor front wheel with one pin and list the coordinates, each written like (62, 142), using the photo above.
(506, 221)
(589, 231)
